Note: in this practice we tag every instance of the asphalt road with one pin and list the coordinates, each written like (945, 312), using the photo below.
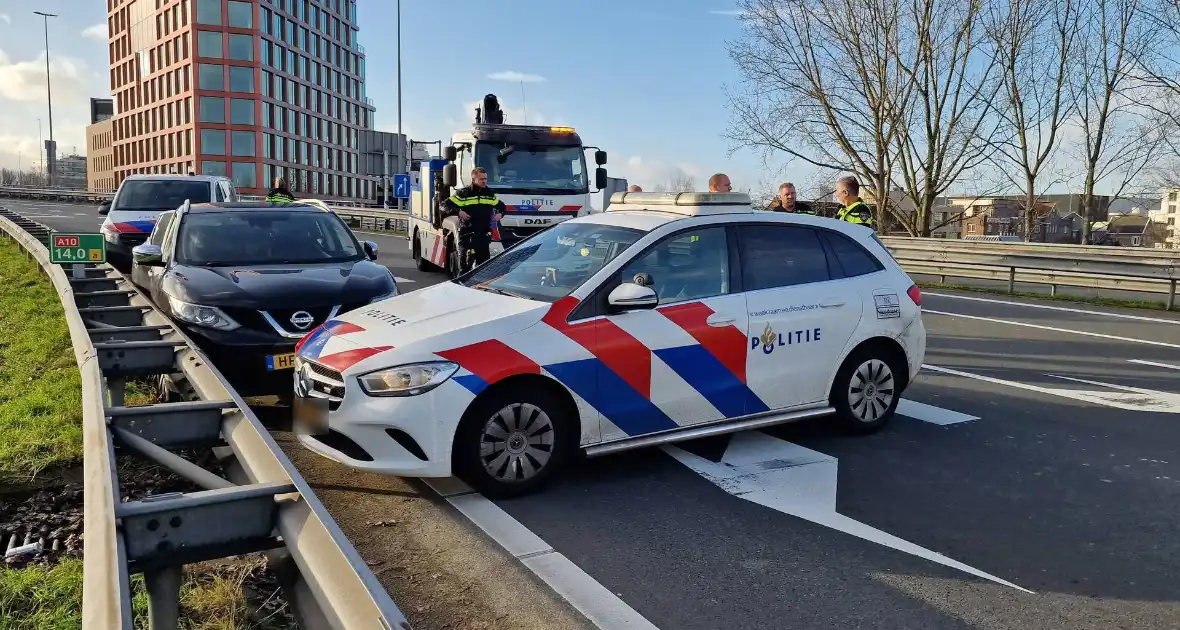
(1033, 482)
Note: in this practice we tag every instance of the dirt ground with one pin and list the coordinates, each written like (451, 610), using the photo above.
(440, 569)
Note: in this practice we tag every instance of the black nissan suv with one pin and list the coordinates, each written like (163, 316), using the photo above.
(248, 280)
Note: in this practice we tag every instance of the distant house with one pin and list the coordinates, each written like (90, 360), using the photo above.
(1132, 231)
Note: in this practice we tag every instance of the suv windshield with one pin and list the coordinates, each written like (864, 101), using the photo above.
(264, 237)
(161, 194)
(534, 169)
(551, 264)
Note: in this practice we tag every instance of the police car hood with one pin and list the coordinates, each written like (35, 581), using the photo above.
(413, 326)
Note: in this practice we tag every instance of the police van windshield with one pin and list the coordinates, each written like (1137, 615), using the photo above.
(551, 264)
(161, 194)
(533, 169)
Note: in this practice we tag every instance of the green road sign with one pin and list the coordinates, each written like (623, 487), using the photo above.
(76, 248)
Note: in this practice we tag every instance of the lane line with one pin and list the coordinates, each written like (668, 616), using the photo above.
(798, 481)
(596, 602)
(930, 413)
(1131, 399)
(1057, 308)
(401, 279)
(1055, 329)
(1155, 364)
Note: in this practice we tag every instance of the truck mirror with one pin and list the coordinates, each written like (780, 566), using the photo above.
(600, 178)
(600, 157)
(450, 153)
(451, 175)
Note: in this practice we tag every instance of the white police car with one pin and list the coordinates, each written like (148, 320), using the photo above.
(667, 317)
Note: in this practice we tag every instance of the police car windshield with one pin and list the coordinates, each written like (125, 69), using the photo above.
(551, 264)
(264, 237)
(533, 169)
(168, 194)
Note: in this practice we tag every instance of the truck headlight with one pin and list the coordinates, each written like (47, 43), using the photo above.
(407, 380)
(207, 316)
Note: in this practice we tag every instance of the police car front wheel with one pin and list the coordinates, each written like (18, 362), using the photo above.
(866, 391)
(513, 442)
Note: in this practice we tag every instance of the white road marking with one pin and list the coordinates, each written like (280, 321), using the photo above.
(798, 481)
(1055, 329)
(930, 413)
(401, 279)
(602, 607)
(1154, 363)
(1138, 400)
(1057, 308)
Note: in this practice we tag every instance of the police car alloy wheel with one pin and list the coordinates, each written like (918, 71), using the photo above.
(866, 391)
(513, 442)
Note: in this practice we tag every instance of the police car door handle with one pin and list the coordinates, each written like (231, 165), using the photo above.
(719, 320)
(832, 303)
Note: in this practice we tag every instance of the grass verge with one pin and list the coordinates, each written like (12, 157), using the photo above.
(1098, 301)
(213, 597)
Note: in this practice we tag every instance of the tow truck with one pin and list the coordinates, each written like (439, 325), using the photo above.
(539, 172)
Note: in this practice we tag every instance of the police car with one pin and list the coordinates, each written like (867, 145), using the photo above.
(667, 317)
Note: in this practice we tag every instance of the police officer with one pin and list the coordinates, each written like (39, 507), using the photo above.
(280, 194)
(855, 210)
(477, 208)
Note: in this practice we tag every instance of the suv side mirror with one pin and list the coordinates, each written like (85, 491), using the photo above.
(600, 178)
(629, 295)
(148, 255)
(104, 208)
(371, 250)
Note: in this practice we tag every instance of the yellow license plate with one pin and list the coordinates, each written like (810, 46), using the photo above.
(280, 361)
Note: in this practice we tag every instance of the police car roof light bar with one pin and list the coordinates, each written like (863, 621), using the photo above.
(681, 199)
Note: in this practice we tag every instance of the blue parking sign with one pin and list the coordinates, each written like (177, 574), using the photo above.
(401, 186)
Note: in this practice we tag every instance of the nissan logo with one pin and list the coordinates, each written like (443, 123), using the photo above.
(302, 320)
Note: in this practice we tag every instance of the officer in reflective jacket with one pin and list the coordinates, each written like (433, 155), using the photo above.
(855, 210)
(477, 208)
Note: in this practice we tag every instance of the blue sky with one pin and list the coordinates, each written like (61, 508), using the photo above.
(645, 84)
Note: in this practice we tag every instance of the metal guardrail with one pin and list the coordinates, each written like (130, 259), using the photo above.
(1088, 266)
(262, 505)
(54, 194)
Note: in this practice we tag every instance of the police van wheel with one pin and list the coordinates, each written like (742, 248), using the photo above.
(866, 390)
(513, 442)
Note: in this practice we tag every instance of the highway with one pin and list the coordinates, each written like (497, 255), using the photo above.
(1031, 481)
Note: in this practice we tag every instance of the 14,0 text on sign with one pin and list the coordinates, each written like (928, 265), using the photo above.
(77, 248)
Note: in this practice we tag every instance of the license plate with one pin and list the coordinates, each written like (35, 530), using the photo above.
(280, 361)
(310, 415)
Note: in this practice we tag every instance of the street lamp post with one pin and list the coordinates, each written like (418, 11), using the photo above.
(48, 92)
(401, 146)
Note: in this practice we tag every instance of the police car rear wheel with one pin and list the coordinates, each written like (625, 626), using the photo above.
(865, 394)
(513, 443)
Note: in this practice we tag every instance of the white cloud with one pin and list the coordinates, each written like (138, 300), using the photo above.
(728, 12)
(97, 32)
(516, 77)
(4, 17)
(651, 173)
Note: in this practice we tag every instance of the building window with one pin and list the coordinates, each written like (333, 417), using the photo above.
(241, 79)
(245, 175)
(241, 47)
(266, 140)
(209, 12)
(241, 111)
(211, 77)
(241, 14)
(213, 168)
(213, 143)
(242, 143)
(209, 44)
(212, 109)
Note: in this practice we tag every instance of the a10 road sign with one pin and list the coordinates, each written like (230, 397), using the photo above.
(76, 248)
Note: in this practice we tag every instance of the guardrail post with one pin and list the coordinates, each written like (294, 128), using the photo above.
(1172, 295)
(1011, 280)
(163, 587)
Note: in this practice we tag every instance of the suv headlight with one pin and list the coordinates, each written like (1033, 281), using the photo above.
(407, 380)
(207, 316)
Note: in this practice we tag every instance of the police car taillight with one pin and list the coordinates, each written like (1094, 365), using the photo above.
(915, 294)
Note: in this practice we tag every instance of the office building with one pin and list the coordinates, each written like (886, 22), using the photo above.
(247, 89)
(100, 158)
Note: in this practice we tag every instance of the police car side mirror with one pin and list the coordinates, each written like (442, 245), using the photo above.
(104, 208)
(450, 175)
(600, 178)
(629, 295)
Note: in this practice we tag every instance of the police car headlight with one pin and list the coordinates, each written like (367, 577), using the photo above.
(207, 316)
(407, 380)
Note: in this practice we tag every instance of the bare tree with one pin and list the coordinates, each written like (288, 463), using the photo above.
(821, 83)
(679, 182)
(1034, 43)
(1115, 36)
